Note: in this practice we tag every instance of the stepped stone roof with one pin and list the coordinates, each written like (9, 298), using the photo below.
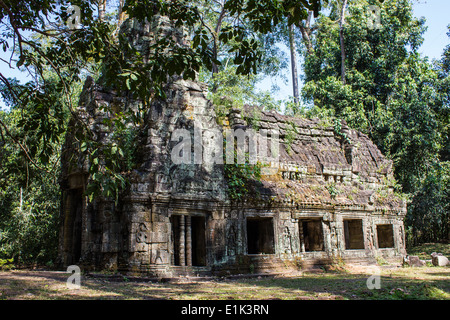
(318, 165)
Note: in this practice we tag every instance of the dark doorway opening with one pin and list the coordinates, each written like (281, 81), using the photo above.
(260, 236)
(313, 235)
(175, 223)
(385, 235)
(73, 226)
(198, 241)
(354, 235)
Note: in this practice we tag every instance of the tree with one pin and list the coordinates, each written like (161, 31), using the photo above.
(306, 31)
(431, 207)
(341, 39)
(373, 59)
(101, 10)
(287, 33)
(443, 68)
(29, 190)
(293, 50)
(217, 18)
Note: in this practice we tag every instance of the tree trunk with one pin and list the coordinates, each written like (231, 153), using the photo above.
(101, 10)
(305, 29)
(293, 63)
(215, 68)
(121, 14)
(341, 35)
(20, 201)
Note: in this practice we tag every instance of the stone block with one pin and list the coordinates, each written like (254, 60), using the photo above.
(217, 215)
(110, 243)
(158, 237)
(142, 237)
(414, 261)
(159, 256)
(139, 247)
(285, 215)
(140, 216)
(160, 227)
(439, 260)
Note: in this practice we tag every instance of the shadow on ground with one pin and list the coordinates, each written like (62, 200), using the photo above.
(399, 283)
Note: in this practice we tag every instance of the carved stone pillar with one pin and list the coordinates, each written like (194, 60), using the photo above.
(182, 254)
(302, 238)
(188, 241)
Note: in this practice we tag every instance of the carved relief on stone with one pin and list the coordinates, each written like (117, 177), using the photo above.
(334, 236)
(219, 236)
(287, 241)
(370, 236)
(231, 240)
(142, 234)
(159, 256)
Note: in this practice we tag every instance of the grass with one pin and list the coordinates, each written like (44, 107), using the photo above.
(425, 250)
(347, 282)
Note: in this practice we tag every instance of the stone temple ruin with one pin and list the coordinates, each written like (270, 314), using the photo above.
(328, 198)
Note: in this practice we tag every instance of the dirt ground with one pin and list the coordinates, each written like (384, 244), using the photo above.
(349, 283)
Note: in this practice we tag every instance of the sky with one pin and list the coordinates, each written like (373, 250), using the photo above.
(436, 13)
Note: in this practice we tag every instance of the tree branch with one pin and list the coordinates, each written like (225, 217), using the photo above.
(21, 147)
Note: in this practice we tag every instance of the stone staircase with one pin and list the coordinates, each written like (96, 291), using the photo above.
(193, 271)
(262, 263)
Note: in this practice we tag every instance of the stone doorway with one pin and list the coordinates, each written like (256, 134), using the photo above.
(260, 236)
(188, 240)
(73, 226)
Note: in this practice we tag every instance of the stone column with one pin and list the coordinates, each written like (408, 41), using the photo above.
(182, 242)
(188, 241)
(302, 238)
(172, 243)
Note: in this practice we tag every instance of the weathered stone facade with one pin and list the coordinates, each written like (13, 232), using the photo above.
(329, 196)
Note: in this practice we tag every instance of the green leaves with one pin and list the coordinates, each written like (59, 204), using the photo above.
(242, 179)
(131, 78)
(431, 206)
(201, 39)
(29, 193)
(265, 15)
(6, 264)
(83, 146)
(110, 161)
